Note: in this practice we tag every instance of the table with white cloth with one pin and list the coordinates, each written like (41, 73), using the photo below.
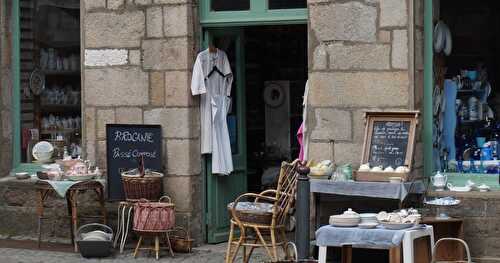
(69, 190)
(377, 238)
(383, 190)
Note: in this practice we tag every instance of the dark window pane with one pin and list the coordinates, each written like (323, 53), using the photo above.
(287, 4)
(230, 5)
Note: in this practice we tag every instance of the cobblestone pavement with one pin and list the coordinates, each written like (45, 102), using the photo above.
(203, 254)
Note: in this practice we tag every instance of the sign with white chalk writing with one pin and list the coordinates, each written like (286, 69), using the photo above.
(125, 144)
(390, 138)
(389, 143)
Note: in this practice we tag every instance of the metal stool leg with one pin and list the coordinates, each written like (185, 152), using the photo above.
(119, 224)
(126, 228)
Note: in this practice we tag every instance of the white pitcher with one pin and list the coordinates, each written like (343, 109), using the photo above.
(439, 181)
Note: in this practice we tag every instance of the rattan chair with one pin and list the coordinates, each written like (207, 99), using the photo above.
(268, 227)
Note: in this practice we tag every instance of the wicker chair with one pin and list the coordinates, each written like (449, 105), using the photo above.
(269, 223)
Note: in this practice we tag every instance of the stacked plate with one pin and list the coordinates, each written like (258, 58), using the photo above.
(368, 220)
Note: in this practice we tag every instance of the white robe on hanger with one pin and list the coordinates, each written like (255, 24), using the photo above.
(214, 94)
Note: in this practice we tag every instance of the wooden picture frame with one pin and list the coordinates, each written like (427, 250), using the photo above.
(388, 116)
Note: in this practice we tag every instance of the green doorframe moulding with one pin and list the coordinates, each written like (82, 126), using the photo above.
(16, 84)
(259, 14)
(428, 87)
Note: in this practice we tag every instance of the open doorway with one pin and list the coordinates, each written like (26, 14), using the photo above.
(276, 74)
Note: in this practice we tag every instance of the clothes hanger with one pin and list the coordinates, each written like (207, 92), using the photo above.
(215, 69)
(212, 48)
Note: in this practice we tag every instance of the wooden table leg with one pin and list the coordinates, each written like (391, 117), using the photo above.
(74, 211)
(346, 254)
(395, 254)
(40, 209)
(100, 196)
(72, 233)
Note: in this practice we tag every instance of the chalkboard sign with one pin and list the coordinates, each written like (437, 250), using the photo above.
(389, 138)
(389, 143)
(125, 143)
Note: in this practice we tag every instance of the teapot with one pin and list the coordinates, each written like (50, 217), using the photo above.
(439, 181)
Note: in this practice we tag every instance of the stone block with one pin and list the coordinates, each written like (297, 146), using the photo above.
(143, 2)
(362, 56)
(360, 89)
(90, 151)
(346, 153)
(105, 57)
(166, 54)
(157, 88)
(134, 57)
(393, 13)
(183, 157)
(177, 20)
(114, 30)
(105, 116)
(115, 4)
(320, 151)
(419, 49)
(154, 21)
(320, 58)
(332, 124)
(101, 154)
(180, 189)
(94, 4)
(172, 1)
(90, 123)
(400, 49)
(418, 158)
(129, 115)
(384, 36)
(6, 123)
(128, 86)
(350, 21)
(177, 88)
(180, 123)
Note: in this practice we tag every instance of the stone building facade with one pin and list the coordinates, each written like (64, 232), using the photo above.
(137, 57)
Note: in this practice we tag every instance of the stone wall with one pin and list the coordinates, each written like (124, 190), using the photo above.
(480, 212)
(5, 89)
(137, 57)
(360, 58)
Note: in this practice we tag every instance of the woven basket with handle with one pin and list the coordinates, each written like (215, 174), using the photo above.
(142, 184)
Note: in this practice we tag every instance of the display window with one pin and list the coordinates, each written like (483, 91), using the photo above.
(49, 79)
(466, 98)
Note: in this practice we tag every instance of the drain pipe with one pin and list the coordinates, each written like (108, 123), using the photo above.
(302, 237)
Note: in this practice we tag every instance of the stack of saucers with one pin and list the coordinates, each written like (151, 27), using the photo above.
(368, 220)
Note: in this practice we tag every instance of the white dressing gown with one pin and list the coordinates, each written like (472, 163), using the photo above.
(214, 106)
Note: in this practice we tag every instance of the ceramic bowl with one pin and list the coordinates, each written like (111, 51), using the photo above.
(22, 176)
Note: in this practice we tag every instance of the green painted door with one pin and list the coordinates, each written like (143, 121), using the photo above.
(222, 190)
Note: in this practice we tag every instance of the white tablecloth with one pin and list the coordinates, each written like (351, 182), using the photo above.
(367, 189)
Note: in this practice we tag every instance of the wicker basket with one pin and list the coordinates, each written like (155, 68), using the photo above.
(179, 238)
(253, 217)
(147, 187)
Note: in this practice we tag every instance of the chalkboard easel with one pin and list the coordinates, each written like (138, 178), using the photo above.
(389, 141)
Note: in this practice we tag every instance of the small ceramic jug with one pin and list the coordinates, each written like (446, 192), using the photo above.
(439, 180)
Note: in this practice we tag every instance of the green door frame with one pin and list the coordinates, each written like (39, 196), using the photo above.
(259, 14)
(428, 87)
(16, 84)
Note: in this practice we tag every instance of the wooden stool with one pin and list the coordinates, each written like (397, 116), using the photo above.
(156, 248)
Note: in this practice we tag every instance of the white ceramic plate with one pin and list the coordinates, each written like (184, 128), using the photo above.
(344, 224)
(396, 226)
(80, 177)
(368, 225)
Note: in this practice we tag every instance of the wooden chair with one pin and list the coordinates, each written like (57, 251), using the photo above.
(269, 223)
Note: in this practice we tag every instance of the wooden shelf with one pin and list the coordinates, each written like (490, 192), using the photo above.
(62, 130)
(60, 108)
(61, 72)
